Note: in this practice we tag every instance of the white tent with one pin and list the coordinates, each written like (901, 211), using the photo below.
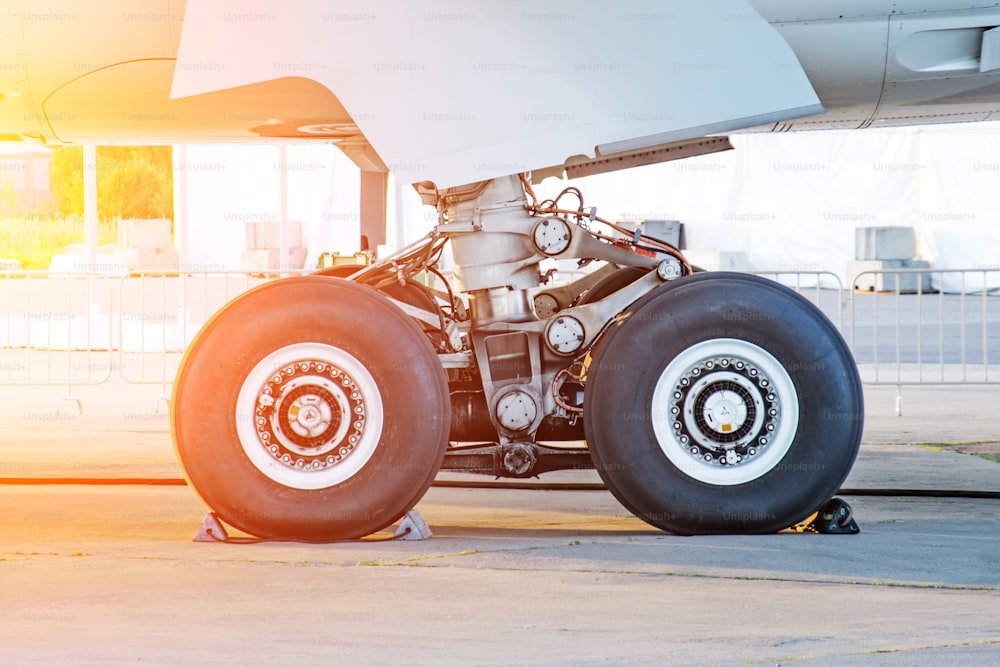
(791, 202)
(228, 185)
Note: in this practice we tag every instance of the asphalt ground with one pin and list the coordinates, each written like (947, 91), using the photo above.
(108, 574)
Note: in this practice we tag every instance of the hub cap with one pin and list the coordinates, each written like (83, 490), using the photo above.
(309, 416)
(725, 411)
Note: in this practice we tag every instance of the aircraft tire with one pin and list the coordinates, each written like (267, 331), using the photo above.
(338, 270)
(408, 293)
(310, 409)
(615, 281)
(723, 403)
(611, 283)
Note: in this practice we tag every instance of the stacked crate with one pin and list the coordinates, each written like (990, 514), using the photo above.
(887, 249)
(148, 245)
(263, 251)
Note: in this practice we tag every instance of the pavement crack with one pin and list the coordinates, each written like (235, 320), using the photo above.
(430, 561)
(877, 651)
(427, 560)
(984, 449)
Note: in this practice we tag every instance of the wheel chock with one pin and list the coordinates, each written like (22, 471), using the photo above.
(834, 518)
(211, 530)
(412, 527)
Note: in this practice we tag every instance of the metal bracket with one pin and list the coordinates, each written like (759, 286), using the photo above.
(515, 459)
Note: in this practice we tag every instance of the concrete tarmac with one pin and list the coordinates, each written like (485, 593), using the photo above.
(109, 574)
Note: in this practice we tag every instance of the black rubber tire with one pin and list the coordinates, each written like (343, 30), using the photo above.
(611, 283)
(630, 360)
(410, 293)
(339, 270)
(615, 281)
(411, 388)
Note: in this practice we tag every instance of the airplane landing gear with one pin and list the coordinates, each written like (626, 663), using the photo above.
(320, 408)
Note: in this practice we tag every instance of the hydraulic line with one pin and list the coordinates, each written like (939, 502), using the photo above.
(551, 207)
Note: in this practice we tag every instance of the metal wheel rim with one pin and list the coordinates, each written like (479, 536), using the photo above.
(291, 416)
(718, 383)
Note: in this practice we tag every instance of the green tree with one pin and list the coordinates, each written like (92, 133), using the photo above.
(132, 181)
(66, 180)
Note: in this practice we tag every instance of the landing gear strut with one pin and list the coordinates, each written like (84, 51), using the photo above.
(322, 408)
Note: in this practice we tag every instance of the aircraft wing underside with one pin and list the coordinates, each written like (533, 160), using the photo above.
(456, 92)
(460, 91)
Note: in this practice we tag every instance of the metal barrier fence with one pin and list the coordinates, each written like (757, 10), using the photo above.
(56, 330)
(904, 327)
(74, 329)
(926, 326)
(159, 314)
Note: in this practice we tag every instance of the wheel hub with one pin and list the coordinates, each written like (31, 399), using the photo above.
(309, 417)
(310, 414)
(725, 411)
